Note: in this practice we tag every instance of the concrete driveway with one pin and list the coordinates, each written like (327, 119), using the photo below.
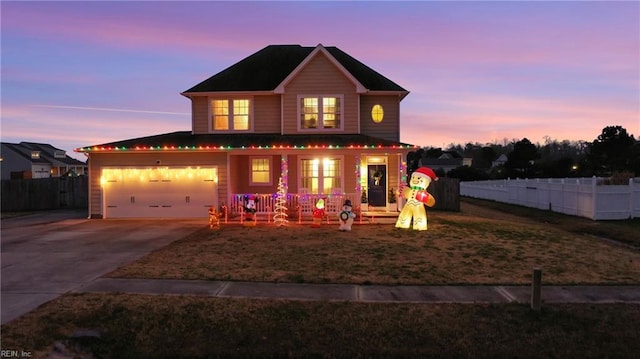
(47, 254)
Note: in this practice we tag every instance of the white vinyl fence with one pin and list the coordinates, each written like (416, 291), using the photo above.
(584, 197)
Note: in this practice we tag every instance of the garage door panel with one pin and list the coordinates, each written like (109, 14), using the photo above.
(168, 192)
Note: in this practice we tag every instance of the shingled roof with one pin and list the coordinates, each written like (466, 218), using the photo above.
(267, 68)
(188, 140)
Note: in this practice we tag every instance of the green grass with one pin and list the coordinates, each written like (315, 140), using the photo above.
(139, 326)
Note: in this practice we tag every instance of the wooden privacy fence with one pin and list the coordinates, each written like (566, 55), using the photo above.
(447, 194)
(44, 193)
(584, 197)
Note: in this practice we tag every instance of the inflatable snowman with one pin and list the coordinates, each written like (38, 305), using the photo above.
(346, 216)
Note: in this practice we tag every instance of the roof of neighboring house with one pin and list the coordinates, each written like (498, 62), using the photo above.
(48, 152)
(268, 68)
(188, 140)
(441, 162)
(23, 151)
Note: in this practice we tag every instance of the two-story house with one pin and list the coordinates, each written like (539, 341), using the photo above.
(315, 118)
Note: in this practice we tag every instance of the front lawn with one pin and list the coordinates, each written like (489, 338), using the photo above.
(141, 326)
(480, 245)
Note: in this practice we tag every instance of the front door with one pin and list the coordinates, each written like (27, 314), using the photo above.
(377, 185)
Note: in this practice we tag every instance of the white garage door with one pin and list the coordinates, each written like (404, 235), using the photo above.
(166, 192)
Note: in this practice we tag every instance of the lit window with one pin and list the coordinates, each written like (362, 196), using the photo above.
(35, 155)
(321, 177)
(240, 114)
(261, 170)
(377, 113)
(320, 112)
(220, 115)
(230, 115)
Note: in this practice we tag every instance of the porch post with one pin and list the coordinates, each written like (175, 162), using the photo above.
(358, 187)
(284, 172)
(402, 180)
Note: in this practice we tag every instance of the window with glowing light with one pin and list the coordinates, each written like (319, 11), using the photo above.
(260, 170)
(320, 112)
(377, 113)
(321, 176)
(230, 115)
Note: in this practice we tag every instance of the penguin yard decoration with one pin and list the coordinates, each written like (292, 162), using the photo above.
(417, 196)
(346, 216)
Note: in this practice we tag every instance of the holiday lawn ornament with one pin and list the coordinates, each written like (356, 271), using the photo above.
(346, 216)
(214, 218)
(318, 213)
(250, 210)
(417, 197)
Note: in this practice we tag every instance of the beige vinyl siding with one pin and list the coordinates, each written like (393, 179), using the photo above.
(132, 159)
(389, 128)
(267, 114)
(393, 170)
(349, 174)
(200, 114)
(320, 77)
(292, 167)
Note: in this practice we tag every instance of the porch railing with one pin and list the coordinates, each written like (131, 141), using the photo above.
(305, 203)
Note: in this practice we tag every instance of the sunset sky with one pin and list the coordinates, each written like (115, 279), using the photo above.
(82, 73)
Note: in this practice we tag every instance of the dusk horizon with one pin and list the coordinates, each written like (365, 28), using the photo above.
(81, 74)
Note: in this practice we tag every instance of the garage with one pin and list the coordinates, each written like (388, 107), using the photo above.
(159, 192)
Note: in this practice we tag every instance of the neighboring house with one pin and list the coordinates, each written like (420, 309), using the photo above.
(500, 161)
(321, 121)
(446, 162)
(37, 160)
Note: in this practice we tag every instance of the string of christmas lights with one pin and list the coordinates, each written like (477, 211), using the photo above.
(201, 148)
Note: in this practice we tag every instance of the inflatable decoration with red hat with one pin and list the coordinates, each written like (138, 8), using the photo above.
(318, 213)
(417, 197)
(346, 216)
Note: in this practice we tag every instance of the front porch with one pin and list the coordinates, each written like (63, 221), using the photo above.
(300, 208)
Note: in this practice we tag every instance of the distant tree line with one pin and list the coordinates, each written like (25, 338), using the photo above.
(613, 153)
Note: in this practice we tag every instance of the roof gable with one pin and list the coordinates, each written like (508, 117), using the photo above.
(274, 65)
(317, 52)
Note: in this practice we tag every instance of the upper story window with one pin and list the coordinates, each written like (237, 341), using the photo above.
(35, 155)
(230, 115)
(320, 112)
(377, 113)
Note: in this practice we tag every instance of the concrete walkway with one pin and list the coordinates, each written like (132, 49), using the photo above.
(365, 293)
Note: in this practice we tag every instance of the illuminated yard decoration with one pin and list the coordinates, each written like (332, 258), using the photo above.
(318, 213)
(250, 210)
(280, 217)
(346, 216)
(417, 196)
(214, 218)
